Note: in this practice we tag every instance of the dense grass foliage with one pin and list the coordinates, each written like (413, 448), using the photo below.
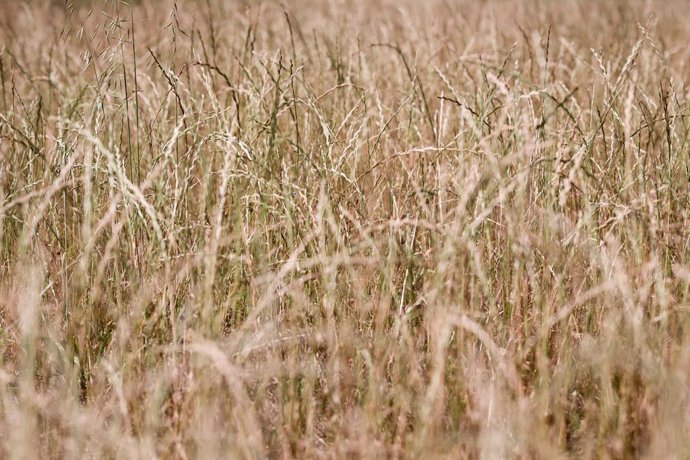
(399, 229)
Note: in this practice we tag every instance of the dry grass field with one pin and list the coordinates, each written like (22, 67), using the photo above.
(345, 229)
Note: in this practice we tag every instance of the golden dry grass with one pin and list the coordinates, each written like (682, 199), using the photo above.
(344, 229)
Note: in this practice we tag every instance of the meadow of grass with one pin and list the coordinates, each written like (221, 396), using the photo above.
(345, 228)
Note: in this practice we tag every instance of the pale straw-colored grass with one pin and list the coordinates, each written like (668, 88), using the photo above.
(398, 229)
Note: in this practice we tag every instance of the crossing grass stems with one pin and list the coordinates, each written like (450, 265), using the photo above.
(436, 229)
